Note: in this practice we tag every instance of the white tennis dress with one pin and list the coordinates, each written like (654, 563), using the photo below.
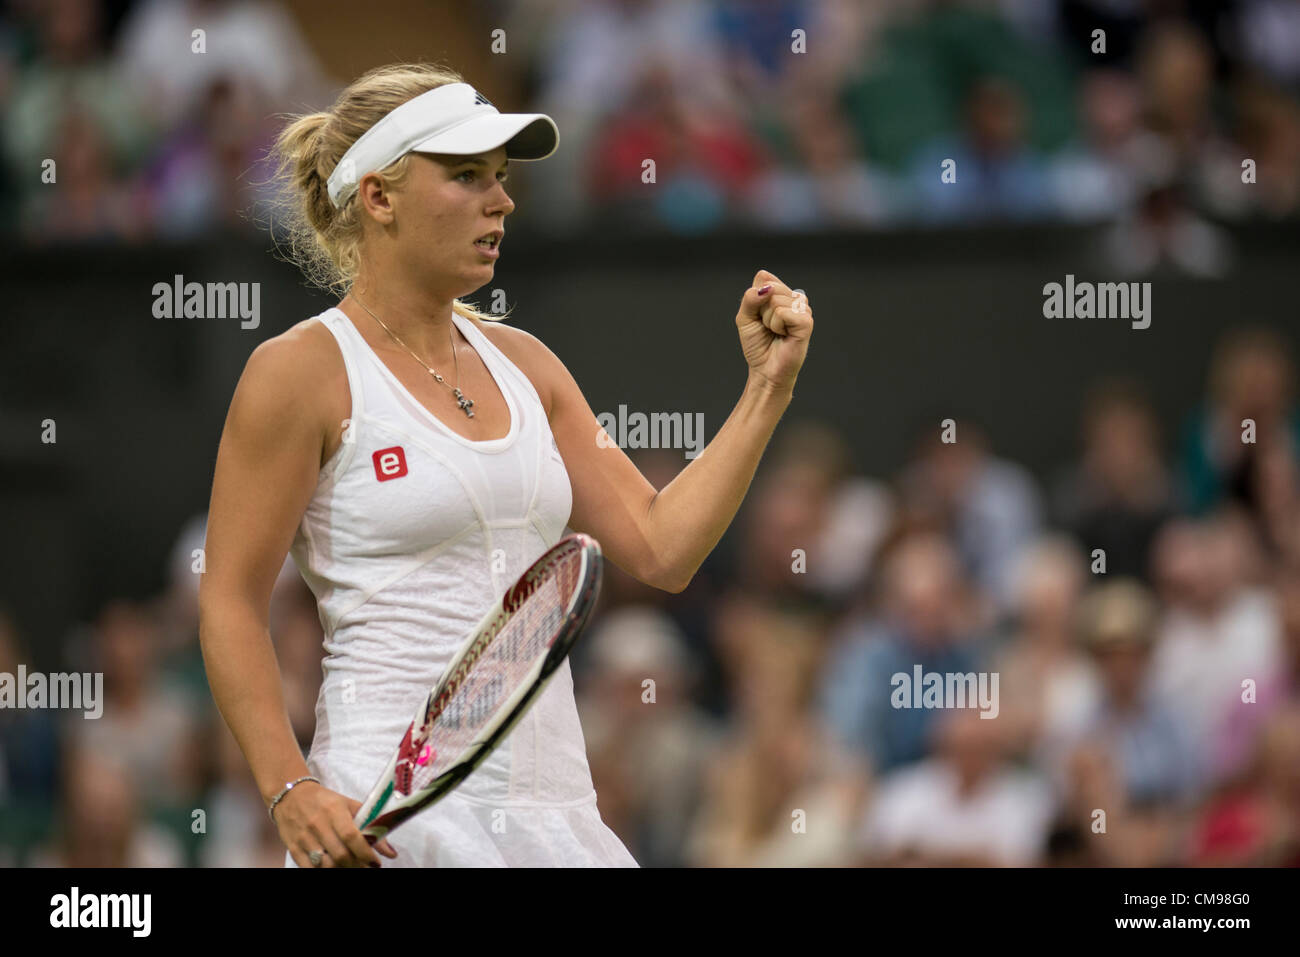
(412, 534)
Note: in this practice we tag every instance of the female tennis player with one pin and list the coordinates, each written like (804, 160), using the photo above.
(414, 456)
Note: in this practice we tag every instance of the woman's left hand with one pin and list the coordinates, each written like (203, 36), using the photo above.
(774, 328)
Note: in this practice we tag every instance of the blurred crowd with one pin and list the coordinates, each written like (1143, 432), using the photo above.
(766, 114)
(1140, 611)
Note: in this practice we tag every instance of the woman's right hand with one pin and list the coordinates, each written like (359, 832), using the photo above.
(311, 817)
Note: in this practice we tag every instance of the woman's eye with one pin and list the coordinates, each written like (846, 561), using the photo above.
(501, 177)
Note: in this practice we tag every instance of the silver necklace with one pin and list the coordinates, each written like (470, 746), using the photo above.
(461, 401)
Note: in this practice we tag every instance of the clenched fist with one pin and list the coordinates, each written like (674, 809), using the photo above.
(775, 327)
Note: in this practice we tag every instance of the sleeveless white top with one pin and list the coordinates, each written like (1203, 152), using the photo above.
(412, 534)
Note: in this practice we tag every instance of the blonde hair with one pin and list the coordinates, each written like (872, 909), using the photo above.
(1120, 612)
(325, 242)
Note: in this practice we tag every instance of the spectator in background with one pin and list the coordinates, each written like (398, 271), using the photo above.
(1219, 630)
(756, 43)
(89, 202)
(705, 158)
(824, 182)
(780, 793)
(70, 104)
(1118, 624)
(1121, 491)
(101, 821)
(1268, 130)
(594, 53)
(858, 513)
(789, 511)
(148, 726)
(754, 37)
(590, 60)
(649, 745)
(1163, 232)
(991, 507)
(925, 619)
(1176, 71)
(1252, 378)
(1098, 826)
(252, 42)
(1048, 687)
(1258, 825)
(1133, 758)
(807, 498)
(996, 176)
(965, 807)
(1271, 136)
(210, 171)
(1245, 722)
(1096, 177)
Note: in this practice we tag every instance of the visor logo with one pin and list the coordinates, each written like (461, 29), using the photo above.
(480, 98)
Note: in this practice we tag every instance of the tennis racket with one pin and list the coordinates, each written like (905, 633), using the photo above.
(487, 687)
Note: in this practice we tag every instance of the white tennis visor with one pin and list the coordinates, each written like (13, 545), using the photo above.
(454, 119)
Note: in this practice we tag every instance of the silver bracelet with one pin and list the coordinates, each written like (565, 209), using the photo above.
(270, 811)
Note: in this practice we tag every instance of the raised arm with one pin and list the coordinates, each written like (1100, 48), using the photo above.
(662, 538)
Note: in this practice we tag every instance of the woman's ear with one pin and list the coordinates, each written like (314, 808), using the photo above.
(376, 199)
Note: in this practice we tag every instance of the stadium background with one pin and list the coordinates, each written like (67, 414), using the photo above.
(823, 167)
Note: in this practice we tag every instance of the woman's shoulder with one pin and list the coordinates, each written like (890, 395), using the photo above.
(527, 352)
(304, 351)
(305, 340)
(302, 367)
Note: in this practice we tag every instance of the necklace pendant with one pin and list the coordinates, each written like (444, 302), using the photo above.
(464, 403)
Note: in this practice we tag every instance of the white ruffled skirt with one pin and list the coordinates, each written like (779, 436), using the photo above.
(461, 831)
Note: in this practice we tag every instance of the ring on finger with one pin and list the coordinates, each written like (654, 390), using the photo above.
(316, 857)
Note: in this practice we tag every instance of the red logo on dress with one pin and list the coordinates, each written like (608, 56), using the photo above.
(390, 463)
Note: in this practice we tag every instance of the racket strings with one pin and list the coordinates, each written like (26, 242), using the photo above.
(502, 664)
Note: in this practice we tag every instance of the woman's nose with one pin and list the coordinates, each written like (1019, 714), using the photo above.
(501, 200)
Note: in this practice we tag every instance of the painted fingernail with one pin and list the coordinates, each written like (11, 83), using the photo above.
(765, 289)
